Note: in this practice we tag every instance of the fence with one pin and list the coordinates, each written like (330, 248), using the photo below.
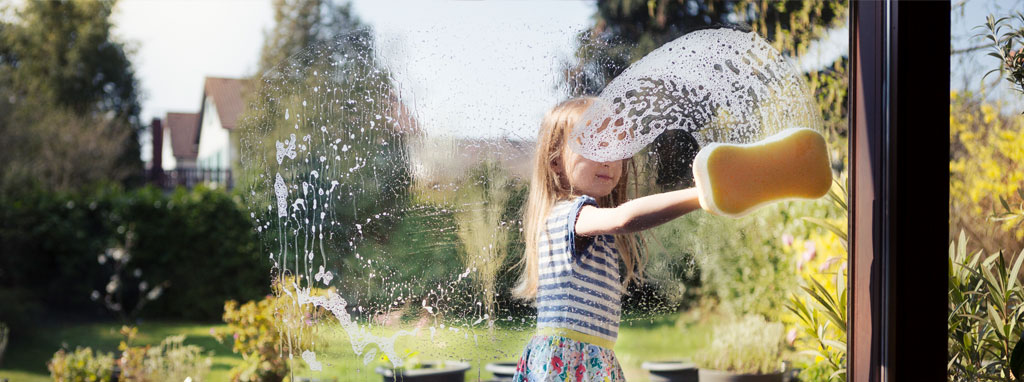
(190, 177)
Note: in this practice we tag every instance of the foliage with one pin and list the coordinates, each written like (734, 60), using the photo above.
(50, 146)
(5, 333)
(82, 365)
(170, 360)
(985, 310)
(1008, 47)
(821, 308)
(483, 228)
(267, 332)
(200, 241)
(748, 346)
(252, 327)
(63, 77)
(113, 296)
(750, 269)
(986, 172)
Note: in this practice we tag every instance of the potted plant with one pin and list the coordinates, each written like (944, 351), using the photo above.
(749, 350)
(412, 370)
(671, 371)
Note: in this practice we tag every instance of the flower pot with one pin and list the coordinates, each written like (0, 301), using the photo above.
(706, 375)
(671, 371)
(503, 371)
(450, 371)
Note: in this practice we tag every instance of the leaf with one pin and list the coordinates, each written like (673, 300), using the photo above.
(1001, 199)
(841, 233)
(837, 373)
(835, 344)
(1015, 271)
(990, 72)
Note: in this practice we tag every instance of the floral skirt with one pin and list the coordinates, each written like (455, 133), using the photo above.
(556, 358)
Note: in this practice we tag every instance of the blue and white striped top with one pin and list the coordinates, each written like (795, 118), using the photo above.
(579, 288)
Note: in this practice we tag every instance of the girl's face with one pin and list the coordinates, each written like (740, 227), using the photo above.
(596, 179)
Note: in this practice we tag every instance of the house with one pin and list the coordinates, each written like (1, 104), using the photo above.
(222, 103)
(194, 148)
(202, 147)
(179, 149)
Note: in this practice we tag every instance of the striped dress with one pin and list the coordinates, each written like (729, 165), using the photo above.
(579, 303)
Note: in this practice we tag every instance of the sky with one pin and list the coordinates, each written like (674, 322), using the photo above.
(966, 70)
(492, 73)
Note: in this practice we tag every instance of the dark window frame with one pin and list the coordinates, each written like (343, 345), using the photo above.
(899, 190)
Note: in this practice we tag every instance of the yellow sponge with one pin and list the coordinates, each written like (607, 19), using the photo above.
(735, 179)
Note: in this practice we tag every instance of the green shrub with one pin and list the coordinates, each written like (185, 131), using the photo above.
(201, 242)
(5, 333)
(986, 307)
(256, 332)
(171, 360)
(749, 346)
(742, 263)
(82, 365)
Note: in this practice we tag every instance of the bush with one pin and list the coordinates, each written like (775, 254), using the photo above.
(743, 263)
(255, 330)
(986, 150)
(252, 329)
(200, 241)
(986, 307)
(82, 365)
(171, 360)
(749, 346)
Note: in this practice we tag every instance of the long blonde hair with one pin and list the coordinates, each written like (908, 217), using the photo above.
(546, 188)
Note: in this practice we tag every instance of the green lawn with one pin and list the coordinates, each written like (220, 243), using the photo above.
(639, 340)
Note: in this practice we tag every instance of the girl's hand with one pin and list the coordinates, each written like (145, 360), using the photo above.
(637, 214)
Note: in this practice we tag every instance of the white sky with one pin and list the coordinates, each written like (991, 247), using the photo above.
(467, 68)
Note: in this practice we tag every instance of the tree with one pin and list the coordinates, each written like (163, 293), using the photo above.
(59, 64)
(325, 100)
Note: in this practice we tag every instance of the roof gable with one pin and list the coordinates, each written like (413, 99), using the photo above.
(183, 128)
(227, 96)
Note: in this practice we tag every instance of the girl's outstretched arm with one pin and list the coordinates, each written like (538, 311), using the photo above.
(637, 214)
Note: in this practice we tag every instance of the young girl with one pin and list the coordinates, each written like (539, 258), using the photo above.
(579, 228)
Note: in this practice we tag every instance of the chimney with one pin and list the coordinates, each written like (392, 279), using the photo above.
(157, 167)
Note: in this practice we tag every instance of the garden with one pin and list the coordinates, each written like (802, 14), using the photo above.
(357, 239)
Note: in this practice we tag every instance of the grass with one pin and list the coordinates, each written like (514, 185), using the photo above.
(658, 338)
(26, 357)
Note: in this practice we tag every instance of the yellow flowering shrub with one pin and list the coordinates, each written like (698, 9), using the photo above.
(270, 332)
(986, 167)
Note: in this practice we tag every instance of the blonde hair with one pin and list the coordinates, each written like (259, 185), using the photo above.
(546, 188)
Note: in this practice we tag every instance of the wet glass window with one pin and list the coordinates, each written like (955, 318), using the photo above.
(389, 169)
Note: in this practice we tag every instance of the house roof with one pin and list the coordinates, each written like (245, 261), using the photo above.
(227, 95)
(183, 128)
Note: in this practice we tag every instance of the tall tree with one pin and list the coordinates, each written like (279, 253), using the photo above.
(324, 98)
(59, 58)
